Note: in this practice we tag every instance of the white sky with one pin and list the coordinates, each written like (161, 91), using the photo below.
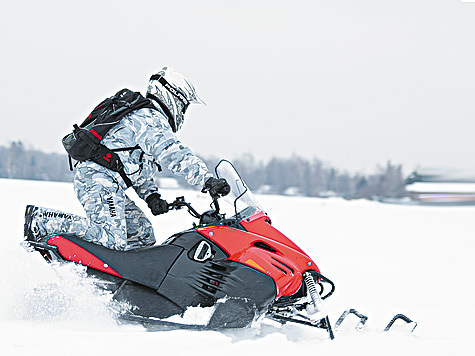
(354, 83)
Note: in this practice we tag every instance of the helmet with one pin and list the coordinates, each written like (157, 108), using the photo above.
(173, 93)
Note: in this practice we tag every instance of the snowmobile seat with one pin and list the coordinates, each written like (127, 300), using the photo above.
(147, 266)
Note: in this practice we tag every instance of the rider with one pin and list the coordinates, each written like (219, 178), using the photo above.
(113, 219)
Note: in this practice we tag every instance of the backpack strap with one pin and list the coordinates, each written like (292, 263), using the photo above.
(136, 147)
(124, 177)
(70, 163)
(109, 159)
(167, 112)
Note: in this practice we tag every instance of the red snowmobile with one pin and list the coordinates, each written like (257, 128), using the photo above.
(241, 266)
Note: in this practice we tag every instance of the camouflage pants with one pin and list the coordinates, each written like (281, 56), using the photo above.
(113, 219)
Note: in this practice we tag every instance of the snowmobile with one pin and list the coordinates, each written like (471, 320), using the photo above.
(241, 266)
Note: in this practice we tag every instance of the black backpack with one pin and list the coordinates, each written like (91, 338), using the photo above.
(84, 143)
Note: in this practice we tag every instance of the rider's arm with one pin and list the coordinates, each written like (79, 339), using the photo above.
(147, 188)
(156, 138)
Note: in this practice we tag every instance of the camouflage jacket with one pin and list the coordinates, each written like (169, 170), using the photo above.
(150, 130)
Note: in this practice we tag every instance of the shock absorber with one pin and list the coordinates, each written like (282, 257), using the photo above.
(317, 302)
(312, 291)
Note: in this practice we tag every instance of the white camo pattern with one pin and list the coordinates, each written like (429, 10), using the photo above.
(113, 220)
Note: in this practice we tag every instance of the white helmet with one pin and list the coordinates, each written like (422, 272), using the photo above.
(173, 93)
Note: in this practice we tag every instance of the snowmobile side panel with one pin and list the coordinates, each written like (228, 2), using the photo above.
(147, 266)
(241, 292)
(286, 274)
(190, 241)
(147, 302)
(72, 252)
(260, 224)
(249, 293)
(279, 261)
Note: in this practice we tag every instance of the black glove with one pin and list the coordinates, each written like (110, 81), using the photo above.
(156, 204)
(216, 187)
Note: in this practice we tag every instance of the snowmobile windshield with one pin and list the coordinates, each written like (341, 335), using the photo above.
(240, 195)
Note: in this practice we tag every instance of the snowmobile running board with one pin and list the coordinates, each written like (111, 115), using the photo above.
(152, 324)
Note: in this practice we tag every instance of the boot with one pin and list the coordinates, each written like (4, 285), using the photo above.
(32, 230)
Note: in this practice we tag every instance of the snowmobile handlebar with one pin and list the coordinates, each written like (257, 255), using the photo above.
(180, 202)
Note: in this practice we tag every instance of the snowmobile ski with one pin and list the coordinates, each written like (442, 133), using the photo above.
(364, 318)
(400, 317)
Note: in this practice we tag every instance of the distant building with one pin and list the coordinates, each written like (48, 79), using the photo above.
(442, 193)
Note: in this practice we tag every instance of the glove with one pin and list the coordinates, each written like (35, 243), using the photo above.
(216, 187)
(156, 204)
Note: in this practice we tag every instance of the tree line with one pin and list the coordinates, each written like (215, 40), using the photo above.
(19, 162)
(288, 176)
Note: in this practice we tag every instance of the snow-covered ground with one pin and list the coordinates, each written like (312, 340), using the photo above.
(384, 260)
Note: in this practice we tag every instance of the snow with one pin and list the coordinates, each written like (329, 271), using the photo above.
(168, 183)
(384, 259)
